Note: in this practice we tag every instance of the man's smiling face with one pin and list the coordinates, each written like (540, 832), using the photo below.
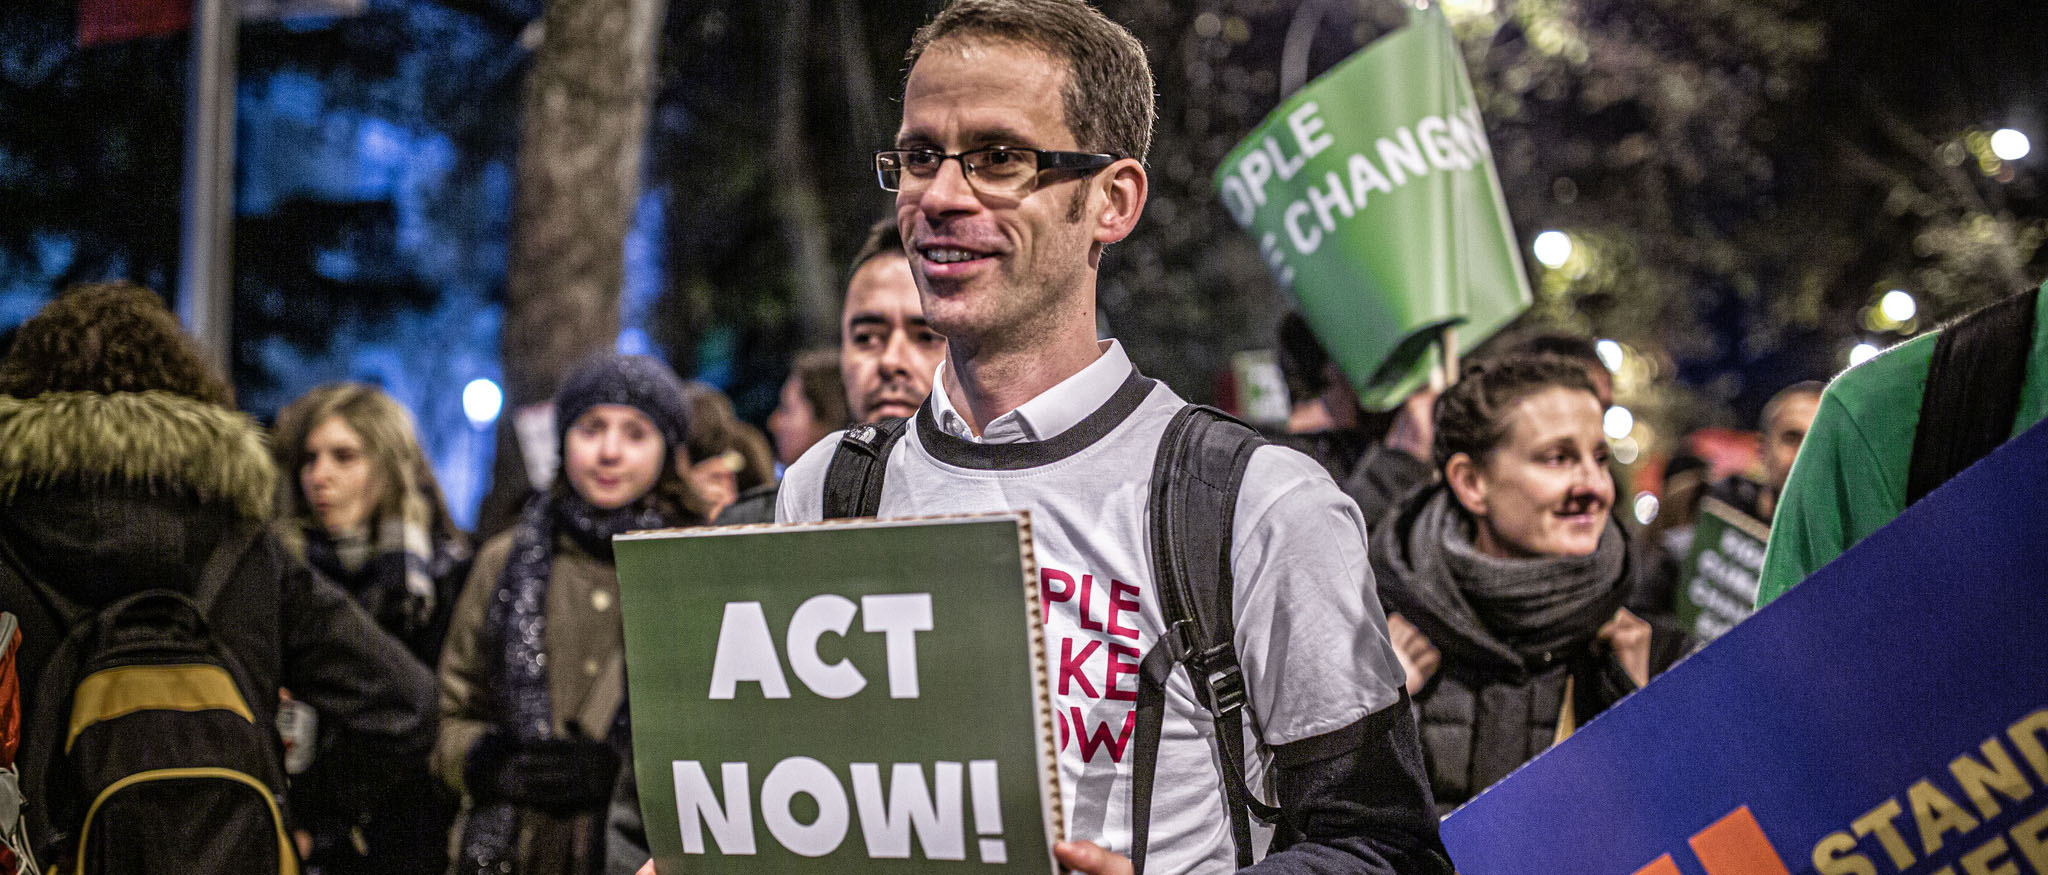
(991, 266)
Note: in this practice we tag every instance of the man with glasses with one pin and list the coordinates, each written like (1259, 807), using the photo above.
(1020, 158)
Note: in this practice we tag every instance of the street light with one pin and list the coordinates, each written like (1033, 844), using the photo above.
(1861, 353)
(2010, 145)
(1553, 248)
(481, 401)
(1898, 306)
(1610, 354)
(1618, 422)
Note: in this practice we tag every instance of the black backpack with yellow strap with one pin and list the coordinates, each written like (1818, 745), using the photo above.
(143, 753)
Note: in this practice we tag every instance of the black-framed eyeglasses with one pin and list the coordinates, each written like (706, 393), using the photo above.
(1002, 171)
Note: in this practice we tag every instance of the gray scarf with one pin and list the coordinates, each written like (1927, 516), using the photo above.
(1518, 610)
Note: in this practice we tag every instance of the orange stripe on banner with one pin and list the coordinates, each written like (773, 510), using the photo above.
(1736, 845)
(1660, 866)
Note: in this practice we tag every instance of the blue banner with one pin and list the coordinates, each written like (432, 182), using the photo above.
(1889, 715)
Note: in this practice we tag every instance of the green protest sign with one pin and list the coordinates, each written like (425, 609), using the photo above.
(847, 696)
(1373, 194)
(1718, 585)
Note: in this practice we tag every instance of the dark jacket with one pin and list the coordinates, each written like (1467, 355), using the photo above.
(1383, 477)
(756, 505)
(404, 831)
(105, 495)
(1484, 713)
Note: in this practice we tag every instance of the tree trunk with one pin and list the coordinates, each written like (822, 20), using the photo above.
(796, 185)
(583, 130)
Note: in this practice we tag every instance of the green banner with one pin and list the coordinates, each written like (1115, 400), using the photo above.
(1372, 193)
(1717, 589)
(854, 696)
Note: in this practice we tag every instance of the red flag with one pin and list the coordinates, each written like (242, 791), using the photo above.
(112, 21)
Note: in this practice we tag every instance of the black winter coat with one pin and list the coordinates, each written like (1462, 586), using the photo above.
(105, 495)
(1483, 716)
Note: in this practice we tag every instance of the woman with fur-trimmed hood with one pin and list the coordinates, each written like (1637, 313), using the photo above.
(122, 466)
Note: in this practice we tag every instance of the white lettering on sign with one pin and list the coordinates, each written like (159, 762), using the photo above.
(1451, 143)
(886, 825)
(746, 653)
(814, 618)
(806, 776)
(899, 618)
(697, 808)
(932, 812)
(746, 649)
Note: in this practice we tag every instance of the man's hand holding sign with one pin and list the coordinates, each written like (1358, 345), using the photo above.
(884, 711)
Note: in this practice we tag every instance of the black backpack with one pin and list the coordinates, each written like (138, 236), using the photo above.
(1973, 388)
(143, 753)
(1195, 480)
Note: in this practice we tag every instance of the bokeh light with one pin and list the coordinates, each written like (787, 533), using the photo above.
(1553, 248)
(2010, 145)
(481, 401)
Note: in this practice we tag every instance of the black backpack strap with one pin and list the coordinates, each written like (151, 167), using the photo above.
(1973, 391)
(853, 482)
(62, 610)
(1195, 480)
(1152, 675)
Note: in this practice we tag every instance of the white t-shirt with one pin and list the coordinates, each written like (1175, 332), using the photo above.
(1310, 633)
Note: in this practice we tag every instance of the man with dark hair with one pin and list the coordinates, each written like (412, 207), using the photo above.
(888, 352)
(1020, 158)
(1783, 426)
(1786, 418)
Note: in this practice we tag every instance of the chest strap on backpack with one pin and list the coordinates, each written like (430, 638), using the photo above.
(1973, 391)
(853, 481)
(1195, 480)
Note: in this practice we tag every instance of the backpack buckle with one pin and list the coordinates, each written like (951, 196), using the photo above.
(1225, 683)
(1179, 639)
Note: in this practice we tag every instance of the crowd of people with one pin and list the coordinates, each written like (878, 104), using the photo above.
(1424, 599)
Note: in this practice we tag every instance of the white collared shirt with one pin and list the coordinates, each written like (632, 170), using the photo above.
(1053, 411)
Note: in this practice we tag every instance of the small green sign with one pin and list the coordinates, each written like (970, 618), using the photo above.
(1373, 194)
(1718, 586)
(845, 696)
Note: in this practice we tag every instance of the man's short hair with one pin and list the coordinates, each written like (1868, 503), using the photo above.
(1107, 97)
(817, 375)
(1777, 402)
(883, 239)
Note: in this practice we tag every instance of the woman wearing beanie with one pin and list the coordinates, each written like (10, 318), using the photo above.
(123, 468)
(359, 504)
(532, 679)
(1513, 570)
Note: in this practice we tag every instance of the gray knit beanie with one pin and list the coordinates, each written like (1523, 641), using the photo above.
(641, 382)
